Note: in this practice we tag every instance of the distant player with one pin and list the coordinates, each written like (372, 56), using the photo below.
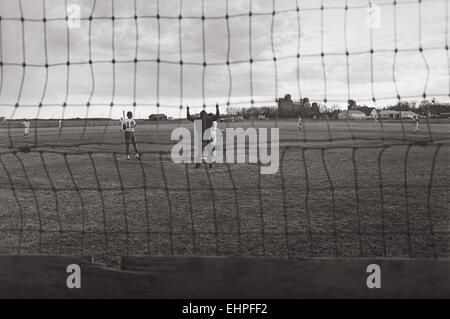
(129, 126)
(416, 124)
(60, 124)
(299, 123)
(26, 124)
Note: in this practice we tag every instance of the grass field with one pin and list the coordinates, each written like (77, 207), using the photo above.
(356, 189)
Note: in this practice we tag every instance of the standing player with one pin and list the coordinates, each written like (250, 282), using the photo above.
(26, 124)
(207, 121)
(416, 124)
(211, 156)
(299, 123)
(60, 124)
(129, 126)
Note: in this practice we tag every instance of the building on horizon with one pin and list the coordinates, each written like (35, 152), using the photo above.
(287, 107)
(389, 115)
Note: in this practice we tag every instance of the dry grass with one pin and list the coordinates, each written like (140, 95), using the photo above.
(314, 206)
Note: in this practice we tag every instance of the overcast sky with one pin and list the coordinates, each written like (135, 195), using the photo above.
(416, 25)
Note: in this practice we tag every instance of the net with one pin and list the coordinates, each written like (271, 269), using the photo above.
(344, 188)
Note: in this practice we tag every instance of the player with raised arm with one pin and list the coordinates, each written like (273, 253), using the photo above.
(26, 124)
(129, 126)
(207, 122)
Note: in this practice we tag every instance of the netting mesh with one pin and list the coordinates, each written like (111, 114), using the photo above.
(344, 188)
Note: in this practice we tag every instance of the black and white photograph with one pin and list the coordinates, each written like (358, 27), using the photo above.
(224, 153)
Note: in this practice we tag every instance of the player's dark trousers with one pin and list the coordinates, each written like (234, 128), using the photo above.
(130, 137)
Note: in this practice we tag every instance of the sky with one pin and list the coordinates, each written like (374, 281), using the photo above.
(285, 35)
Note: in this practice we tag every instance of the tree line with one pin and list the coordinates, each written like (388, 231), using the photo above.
(431, 108)
(305, 109)
(427, 108)
(248, 113)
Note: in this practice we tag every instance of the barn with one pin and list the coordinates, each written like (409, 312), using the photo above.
(287, 105)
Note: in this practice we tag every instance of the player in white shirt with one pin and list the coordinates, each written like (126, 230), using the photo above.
(26, 124)
(299, 123)
(416, 124)
(211, 156)
(129, 126)
(60, 124)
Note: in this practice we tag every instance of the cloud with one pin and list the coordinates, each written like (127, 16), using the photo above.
(309, 32)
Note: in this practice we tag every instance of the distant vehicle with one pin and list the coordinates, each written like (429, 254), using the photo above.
(158, 117)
